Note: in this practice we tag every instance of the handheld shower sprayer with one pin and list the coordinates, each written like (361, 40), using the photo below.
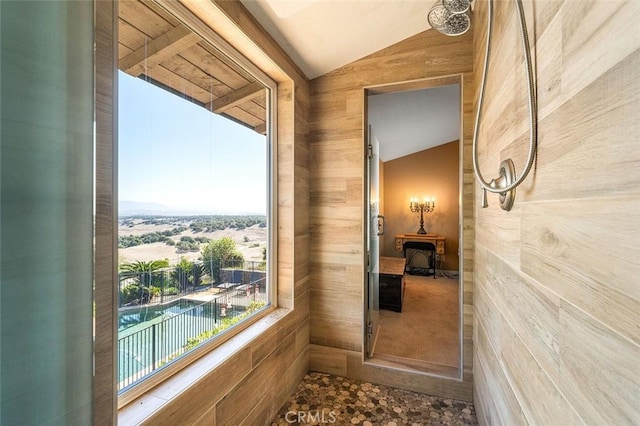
(452, 17)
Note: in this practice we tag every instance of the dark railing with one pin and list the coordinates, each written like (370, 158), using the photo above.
(163, 285)
(164, 331)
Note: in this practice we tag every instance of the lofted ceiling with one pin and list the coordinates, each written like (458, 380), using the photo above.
(412, 121)
(319, 35)
(322, 35)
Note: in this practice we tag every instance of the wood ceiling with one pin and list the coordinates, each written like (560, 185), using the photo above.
(154, 46)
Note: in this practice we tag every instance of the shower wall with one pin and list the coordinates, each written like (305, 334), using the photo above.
(46, 200)
(337, 161)
(556, 290)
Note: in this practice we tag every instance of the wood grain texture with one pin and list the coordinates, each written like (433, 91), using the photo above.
(327, 359)
(563, 243)
(237, 404)
(540, 399)
(152, 43)
(597, 127)
(106, 256)
(232, 22)
(158, 50)
(501, 406)
(599, 369)
(536, 319)
(337, 194)
(556, 293)
(206, 390)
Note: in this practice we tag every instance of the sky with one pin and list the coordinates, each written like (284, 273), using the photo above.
(177, 154)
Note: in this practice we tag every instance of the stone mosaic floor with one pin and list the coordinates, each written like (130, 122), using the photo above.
(326, 399)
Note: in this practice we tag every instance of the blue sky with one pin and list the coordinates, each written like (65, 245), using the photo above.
(175, 153)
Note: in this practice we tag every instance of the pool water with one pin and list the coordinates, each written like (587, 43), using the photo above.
(146, 314)
(150, 336)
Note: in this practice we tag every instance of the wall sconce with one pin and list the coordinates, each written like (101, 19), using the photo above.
(426, 206)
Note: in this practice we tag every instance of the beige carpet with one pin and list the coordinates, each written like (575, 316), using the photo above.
(426, 330)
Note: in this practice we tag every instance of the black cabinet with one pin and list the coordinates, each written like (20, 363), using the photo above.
(391, 285)
(391, 292)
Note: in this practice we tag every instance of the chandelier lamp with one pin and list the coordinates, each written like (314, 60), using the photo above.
(422, 207)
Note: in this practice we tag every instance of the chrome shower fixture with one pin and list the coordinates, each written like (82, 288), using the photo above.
(457, 6)
(505, 184)
(450, 17)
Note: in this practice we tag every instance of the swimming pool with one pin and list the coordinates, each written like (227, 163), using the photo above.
(130, 317)
(151, 336)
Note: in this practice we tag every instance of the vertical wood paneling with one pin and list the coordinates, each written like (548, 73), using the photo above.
(105, 269)
(557, 297)
(337, 206)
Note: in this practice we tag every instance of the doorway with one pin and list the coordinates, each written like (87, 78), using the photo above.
(413, 291)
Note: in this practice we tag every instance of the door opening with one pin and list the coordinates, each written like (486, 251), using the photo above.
(414, 267)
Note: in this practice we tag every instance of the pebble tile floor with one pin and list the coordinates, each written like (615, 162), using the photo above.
(327, 399)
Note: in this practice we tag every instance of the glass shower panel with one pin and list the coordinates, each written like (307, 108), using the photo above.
(46, 212)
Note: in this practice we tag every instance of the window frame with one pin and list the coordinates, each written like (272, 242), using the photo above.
(197, 26)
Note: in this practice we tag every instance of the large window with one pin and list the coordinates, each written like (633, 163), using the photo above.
(194, 190)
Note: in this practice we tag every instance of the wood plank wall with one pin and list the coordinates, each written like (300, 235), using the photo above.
(106, 224)
(337, 205)
(556, 291)
(247, 379)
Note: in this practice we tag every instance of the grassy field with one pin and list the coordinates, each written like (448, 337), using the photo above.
(249, 241)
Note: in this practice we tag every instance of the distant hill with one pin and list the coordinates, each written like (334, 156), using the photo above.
(131, 208)
(136, 208)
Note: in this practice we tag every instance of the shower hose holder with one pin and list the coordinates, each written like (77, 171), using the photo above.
(505, 179)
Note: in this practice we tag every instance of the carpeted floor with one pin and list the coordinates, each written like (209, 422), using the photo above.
(426, 330)
(327, 399)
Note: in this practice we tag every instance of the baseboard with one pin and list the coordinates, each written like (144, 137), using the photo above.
(416, 365)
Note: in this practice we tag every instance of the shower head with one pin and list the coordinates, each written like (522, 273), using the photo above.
(457, 6)
(450, 17)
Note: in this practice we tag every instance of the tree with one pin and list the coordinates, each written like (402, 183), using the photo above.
(140, 266)
(146, 274)
(220, 253)
(263, 264)
(182, 273)
(187, 274)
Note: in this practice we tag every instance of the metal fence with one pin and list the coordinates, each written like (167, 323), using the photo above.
(153, 334)
(136, 288)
